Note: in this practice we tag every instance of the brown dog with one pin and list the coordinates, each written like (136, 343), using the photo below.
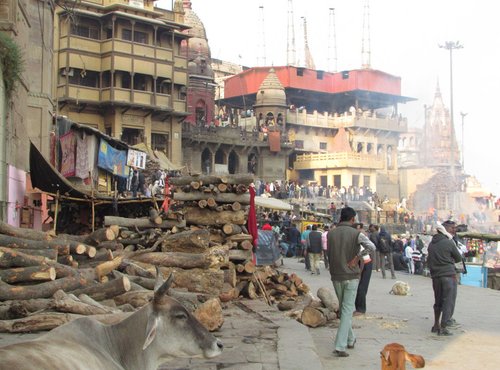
(394, 357)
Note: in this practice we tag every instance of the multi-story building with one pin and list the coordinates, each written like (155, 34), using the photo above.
(119, 68)
(343, 127)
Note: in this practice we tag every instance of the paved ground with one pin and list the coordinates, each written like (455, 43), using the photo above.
(258, 337)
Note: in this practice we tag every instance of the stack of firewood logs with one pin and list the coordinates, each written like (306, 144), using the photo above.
(47, 279)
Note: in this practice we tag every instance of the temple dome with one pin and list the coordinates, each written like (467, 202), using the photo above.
(198, 43)
(271, 92)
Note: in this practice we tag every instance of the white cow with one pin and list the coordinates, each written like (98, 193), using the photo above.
(159, 331)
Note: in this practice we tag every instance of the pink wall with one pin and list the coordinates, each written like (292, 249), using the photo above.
(16, 183)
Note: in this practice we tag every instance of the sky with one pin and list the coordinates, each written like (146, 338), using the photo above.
(404, 41)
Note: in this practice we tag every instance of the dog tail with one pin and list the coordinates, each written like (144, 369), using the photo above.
(416, 360)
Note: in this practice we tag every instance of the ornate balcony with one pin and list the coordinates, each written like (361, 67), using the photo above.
(338, 160)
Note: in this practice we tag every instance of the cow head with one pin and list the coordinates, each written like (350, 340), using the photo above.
(174, 329)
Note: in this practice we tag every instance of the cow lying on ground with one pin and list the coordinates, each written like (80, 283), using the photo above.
(159, 331)
(394, 357)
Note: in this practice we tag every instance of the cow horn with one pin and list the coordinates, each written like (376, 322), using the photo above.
(161, 287)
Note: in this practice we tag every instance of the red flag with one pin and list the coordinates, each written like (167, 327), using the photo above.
(252, 220)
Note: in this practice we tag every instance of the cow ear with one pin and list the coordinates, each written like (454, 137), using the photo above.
(161, 288)
(153, 321)
(385, 355)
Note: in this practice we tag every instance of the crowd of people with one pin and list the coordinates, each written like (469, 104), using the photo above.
(350, 253)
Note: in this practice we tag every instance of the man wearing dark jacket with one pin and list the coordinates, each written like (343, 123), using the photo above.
(294, 239)
(344, 250)
(443, 254)
(314, 248)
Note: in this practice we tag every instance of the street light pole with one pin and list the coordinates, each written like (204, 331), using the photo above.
(463, 153)
(451, 45)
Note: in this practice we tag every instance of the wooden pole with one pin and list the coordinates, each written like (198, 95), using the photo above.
(92, 200)
(56, 212)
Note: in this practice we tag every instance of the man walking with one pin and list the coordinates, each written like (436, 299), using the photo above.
(314, 248)
(344, 253)
(443, 254)
(385, 248)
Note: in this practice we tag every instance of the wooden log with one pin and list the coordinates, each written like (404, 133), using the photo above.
(141, 223)
(287, 305)
(236, 206)
(250, 291)
(231, 229)
(20, 242)
(195, 185)
(46, 289)
(50, 254)
(13, 258)
(211, 203)
(65, 260)
(249, 267)
(196, 280)
(115, 229)
(137, 298)
(28, 274)
(143, 282)
(246, 245)
(209, 314)
(178, 259)
(222, 187)
(230, 275)
(219, 198)
(154, 217)
(240, 237)
(112, 245)
(327, 299)
(239, 255)
(39, 322)
(90, 251)
(202, 203)
(107, 290)
(187, 180)
(31, 234)
(312, 317)
(198, 216)
(78, 248)
(66, 303)
(228, 293)
(190, 241)
(135, 270)
(241, 189)
(86, 299)
(16, 309)
(100, 235)
(108, 266)
(235, 179)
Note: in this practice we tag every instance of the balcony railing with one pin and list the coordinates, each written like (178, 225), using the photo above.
(363, 120)
(234, 135)
(339, 160)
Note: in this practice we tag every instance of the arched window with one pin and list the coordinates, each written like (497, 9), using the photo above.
(233, 162)
(206, 161)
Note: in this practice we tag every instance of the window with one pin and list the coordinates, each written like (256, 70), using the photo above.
(126, 35)
(319, 75)
(159, 142)
(322, 146)
(140, 37)
(125, 81)
(84, 78)
(299, 144)
(345, 75)
(88, 31)
(140, 82)
(300, 71)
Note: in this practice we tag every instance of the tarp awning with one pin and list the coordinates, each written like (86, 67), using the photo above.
(159, 157)
(273, 203)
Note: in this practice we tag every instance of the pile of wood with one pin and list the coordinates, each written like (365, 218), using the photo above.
(48, 279)
(313, 311)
